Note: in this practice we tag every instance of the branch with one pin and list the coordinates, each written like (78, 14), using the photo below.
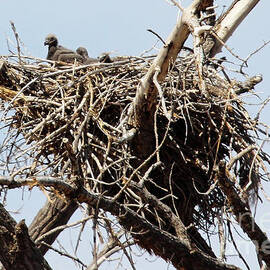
(146, 95)
(50, 216)
(243, 214)
(144, 104)
(230, 20)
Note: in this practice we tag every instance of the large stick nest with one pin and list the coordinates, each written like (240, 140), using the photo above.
(74, 123)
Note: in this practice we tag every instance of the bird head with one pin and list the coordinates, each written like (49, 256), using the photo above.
(51, 40)
(82, 51)
(105, 58)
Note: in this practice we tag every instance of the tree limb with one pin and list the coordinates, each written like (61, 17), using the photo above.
(243, 214)
(51, 215)
(230, 20)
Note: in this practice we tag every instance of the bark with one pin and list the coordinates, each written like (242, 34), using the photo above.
(51, 215)
(17, 249)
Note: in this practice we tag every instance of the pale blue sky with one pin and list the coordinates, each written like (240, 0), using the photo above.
(119, 26)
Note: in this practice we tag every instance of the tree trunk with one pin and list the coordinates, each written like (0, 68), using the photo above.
(51, 215)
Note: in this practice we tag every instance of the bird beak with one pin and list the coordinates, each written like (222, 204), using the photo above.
(46, 43)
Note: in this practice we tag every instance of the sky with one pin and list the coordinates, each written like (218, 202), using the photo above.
(120, 27)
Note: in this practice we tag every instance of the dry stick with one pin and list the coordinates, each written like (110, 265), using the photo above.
(174, 2)
(79, 132)
(63, 254)
(227, 47)
(230, 20)
(45, 120)
(254, 52)
(156, 134)
(59, 130)
(161, 39)
(252, 165)
(61, 228)
(198, 51)
(123, 247)
(221, 235)
(82, 227)
(172, 196)
(239, 155)
(31, 58)
(95, 251)
(113, 246)
(157, 85)
(17, 95)
(165, 210)
(17, 40)
(235, 246)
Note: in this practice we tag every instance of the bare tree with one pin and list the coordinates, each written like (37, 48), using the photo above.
(164, 144)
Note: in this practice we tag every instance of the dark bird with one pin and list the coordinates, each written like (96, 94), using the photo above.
(105, 58)
(59, 53)
(84, 53)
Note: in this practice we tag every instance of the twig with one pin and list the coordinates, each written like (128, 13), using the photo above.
(17, 40)
(64, 254)
(151, 31)
(174, 2)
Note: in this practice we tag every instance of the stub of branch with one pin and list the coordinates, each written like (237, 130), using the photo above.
(248, 85)
(17, 249)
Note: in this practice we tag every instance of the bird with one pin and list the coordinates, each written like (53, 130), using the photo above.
(105, 58)
(84, 53)
(59, 53)
(70, 57)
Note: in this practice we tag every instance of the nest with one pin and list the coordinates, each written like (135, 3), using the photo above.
(75, 123)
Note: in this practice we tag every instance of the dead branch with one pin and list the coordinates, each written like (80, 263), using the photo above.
(230, 20)
(243, 214)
